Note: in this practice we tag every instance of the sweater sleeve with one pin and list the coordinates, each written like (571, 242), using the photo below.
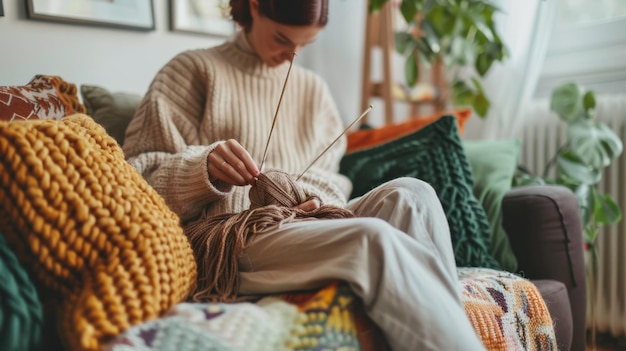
(162, 139)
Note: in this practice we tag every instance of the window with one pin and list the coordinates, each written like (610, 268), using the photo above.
(581, 12)
(588, 45)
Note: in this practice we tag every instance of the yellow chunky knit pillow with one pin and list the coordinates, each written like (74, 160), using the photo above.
(99, 242)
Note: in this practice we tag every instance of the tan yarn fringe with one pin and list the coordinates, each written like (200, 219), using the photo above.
(219, 241)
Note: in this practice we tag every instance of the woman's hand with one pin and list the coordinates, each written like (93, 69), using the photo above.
(309, 205)
(230, 163)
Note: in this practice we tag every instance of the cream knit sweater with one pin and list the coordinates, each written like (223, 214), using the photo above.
(203, 97)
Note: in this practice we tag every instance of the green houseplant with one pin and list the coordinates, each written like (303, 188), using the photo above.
(459, 33)
(590, 146)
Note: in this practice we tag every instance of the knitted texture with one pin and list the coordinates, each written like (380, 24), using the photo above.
(264, 326)
(20, 310)
(44, 97)
(435, 155)
(507, 311)
(219, 241)
(94, 235)
(322, 320)
(335, 319)
(366, 137)
(196, 102)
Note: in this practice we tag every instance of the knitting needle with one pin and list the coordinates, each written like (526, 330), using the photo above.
(280, 100)
(334, 141)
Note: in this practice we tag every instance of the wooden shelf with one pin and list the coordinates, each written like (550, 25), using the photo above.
(405, 94)
(379, 33)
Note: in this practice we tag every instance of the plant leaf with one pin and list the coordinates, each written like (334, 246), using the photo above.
(483, 63)
(481, 102)
(431, 38)
(522, 179)
(404, 41)
(409, 9)
(571, 166)
(462, 95)
(481, 105)
(594, 143)
(589, 102)
(566, 101)
(584, 194)
(411, 71)
(606, 210)
(478, 20)
(442, 19)
(375, 5)
(462, 51)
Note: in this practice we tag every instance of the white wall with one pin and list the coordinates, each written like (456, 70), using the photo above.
(127, 60)
(117, 59)
(337, 54)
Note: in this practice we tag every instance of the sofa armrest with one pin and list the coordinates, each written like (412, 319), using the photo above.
(545, 231)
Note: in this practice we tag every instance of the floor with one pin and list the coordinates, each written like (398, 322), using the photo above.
(606, 348)
(607, 343)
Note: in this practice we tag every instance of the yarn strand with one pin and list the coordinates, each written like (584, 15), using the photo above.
(219, 241)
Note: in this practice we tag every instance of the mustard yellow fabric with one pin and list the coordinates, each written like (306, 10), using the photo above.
(99, 242)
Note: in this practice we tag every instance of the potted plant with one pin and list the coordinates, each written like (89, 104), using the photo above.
(460, 34)
(590, 146)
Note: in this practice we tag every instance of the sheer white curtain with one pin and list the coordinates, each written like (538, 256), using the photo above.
(525, 27)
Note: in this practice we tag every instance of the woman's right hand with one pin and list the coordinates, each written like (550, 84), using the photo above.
(231, 163)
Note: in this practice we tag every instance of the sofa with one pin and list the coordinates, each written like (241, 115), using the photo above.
(94, 259)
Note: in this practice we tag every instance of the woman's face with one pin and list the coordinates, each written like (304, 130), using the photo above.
(275, 43)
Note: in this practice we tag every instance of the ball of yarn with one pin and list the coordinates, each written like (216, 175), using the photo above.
(274, 187)
(21, 317)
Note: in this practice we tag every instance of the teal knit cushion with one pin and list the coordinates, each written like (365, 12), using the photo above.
(493, 164)
(435, 155)
(21, 317)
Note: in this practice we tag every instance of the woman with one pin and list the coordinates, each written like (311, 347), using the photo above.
(200, 135)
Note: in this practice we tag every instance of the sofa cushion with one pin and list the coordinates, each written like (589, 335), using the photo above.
(544, 227)
(493, 164)
(92, 233)
(113, 110)
(21, 318)
(369, 137)
(44, 97)
(554, 294)
(435, 155)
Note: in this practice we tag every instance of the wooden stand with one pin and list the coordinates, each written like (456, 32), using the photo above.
(379, 33)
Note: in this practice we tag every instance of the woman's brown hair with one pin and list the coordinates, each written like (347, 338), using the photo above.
(289, 12)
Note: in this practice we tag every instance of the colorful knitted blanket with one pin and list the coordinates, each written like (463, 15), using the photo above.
(506, 311)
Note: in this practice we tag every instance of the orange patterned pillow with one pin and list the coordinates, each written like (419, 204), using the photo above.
(44, 97)
(362, 139)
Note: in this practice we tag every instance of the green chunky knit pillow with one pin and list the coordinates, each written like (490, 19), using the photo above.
(435, 155)
(21, 316)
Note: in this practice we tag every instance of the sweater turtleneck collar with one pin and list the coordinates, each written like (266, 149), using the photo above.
(241, 54)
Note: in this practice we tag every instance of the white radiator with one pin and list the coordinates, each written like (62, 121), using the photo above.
(542, 135)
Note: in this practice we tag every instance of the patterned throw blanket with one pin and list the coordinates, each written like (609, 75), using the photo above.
(506, 311)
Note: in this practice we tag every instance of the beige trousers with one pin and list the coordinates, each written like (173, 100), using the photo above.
(397, 257)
